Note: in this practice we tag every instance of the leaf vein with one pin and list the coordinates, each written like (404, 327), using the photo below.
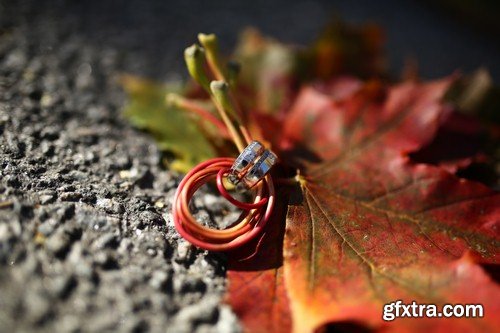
(365, 260)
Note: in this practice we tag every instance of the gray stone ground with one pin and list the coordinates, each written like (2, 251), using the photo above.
(86, 238)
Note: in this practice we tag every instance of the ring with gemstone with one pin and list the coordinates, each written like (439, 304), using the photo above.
(251, 165)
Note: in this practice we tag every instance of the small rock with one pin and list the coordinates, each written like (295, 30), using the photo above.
(38, 307)
(151, 219)
(5, 233)
(70, 196)
(105, 260)
(69, 323)
(61, 286)
(151, 252)
(47, 228)
(110, 205)
(84, 270)
(134, 324)
(120, 163)
(205, 311)
(105, 321)
(228, 322)
(58, 243)
(106, 241)
(47, 198)
(160, 280)
(78, 175)
(185, 252)
(31, 266)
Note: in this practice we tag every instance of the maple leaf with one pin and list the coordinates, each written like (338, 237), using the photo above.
(369, 226)
(463, 146)
(366, 225)
(468, 139)
(256, 289)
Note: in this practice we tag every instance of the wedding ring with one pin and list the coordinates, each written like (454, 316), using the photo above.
(245, 161)
(260, 168)
(251, 165)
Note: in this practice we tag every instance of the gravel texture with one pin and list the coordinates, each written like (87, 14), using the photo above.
(86, 237)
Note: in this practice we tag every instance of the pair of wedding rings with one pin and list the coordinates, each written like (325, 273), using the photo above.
(252, 165)
(249, 169)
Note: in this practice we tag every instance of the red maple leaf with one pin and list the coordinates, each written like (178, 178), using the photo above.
(368, 226)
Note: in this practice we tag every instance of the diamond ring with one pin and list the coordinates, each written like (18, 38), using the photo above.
(252, 165)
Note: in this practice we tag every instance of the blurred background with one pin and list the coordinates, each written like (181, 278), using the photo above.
(442, 36)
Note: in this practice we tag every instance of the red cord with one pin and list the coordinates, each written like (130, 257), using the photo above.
(251, 223)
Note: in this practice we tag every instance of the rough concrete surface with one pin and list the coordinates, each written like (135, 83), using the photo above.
(86, 237)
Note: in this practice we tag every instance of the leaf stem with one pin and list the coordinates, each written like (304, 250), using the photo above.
(218, 90)
(191, 106)
(220, 98)
(227, 73)
(194, 57)
(211, 46)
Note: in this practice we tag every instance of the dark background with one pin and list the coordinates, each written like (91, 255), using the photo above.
(151, 35)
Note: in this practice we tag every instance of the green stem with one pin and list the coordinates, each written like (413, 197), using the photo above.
(193, 107)
(220, 98)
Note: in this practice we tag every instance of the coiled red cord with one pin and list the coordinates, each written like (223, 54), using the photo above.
(250, 224)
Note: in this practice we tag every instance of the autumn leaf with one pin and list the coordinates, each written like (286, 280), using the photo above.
(271, 71)
(367, 223)
(464, 146)
(191, 143)
(256, 289)
(371, 227)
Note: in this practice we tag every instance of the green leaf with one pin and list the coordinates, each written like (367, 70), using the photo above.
(174, 129)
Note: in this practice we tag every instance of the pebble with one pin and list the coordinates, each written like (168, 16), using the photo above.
(47, 227)
(58, 243)
(47, 198)
(204, 312)
(110, 206)
(185, 252)
(106, 241)
(160, 280)
(5, 232)
(70, 196)
(38, 307)
(61, 286)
